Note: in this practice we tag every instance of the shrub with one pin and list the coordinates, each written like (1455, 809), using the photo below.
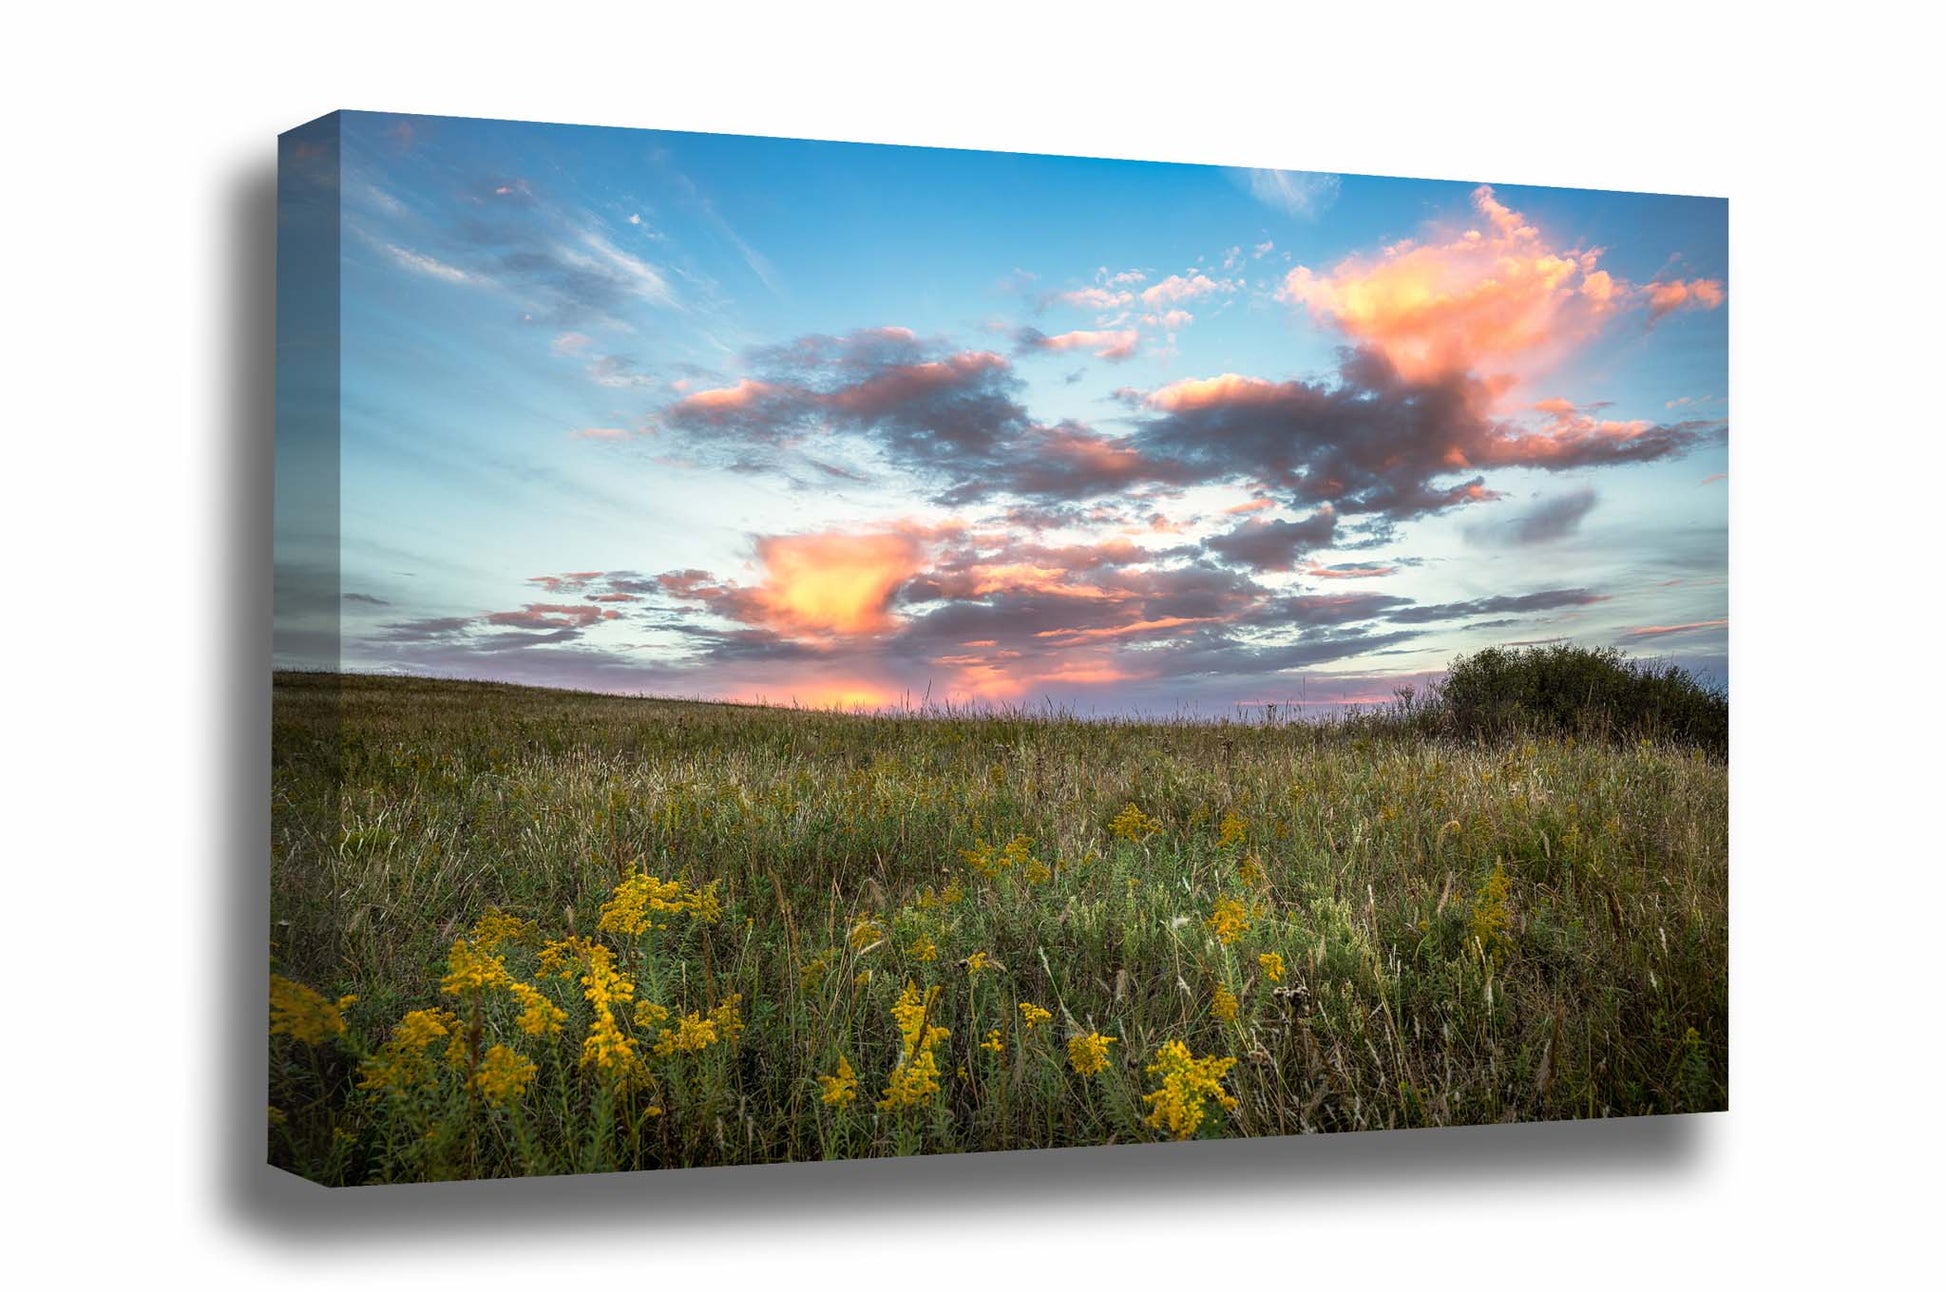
(1575, 690)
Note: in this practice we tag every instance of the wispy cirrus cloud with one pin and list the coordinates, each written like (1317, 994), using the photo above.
(1302, 195)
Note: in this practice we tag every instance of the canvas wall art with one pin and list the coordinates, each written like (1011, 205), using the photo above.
(791, 651)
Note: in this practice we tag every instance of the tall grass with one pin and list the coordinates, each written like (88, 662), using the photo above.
(1345, 926)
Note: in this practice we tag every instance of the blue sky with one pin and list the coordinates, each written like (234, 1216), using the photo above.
(850, 424)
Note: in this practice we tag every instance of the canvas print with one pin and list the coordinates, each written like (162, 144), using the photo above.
(794, 650)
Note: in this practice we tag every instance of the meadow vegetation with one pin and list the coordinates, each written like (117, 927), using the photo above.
(527, 932)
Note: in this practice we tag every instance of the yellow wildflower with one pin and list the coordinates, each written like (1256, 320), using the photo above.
(1491, 917)
(607, 1049)
(1273, 965)
(1225, 1005)
(1230, 830)
(1133, 825)
(1178, 1104)
(640, 898)
(502, 1076)
(560, 958)
(993, 1041)
(864, 933)
(1036, 873)
(298, 1012)
(470, 969)
(924, 949)
(727, 1018)
(650, 1014)
(1032, 1016)
(401, 1063)
(1250, 871)
(953, 895)
(977, 962)
(842, 1087)
(496, 929)
(1088, 1055)
(916, 1078)
(539, 1016)
(912, 1084)
(1228, 920)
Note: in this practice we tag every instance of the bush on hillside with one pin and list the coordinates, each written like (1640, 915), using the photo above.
(1576, 690)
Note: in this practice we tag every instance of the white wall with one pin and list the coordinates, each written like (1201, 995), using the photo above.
(137, 165)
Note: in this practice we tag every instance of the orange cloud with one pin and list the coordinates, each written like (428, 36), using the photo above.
(834, 582)
(1674, 294)
(1104, 345)
(1489, 298)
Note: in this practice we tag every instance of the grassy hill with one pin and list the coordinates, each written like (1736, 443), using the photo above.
(589, 932)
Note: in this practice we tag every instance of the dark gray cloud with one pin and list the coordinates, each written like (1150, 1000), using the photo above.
(1275, 544)
(1525, 603)
(1547, 521)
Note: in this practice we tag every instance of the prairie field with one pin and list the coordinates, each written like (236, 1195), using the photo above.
(526, 932)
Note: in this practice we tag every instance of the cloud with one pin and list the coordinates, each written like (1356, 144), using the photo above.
(550, 615)
(833, 582)
(1498, 297)
(1179, 287)
(1275, 544)
(1094, 298)
(1671, 295)
(419, 263)
(1303, 195)
(1349, 570)
(1671, 630)
(1375, 440)
(1112, 346)
(1525, 603)
(366, 599)
(1548, 521)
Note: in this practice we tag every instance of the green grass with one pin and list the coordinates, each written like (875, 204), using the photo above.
(1472, 931)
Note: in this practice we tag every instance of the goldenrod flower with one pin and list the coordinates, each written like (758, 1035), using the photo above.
(1225, 1005)
(1491, 917)
(1088, 1055)
(912, 1084)
(916, 1078)
(401, 1064)
(993, 1041)
(1249, 871)
(727, 1018)
(650, 1014)
(304, 1015)
(640, 898)
(1177, 1106)
(1133, 825)
(1230, 830)
(539, 1016)
(1032, 1016)
(953, 895)
(1228, 920)
(470, 969)
(923, 949)
(1036, 873)
(978, 961)
(864, 933)
(607, 1049)
(502, 1076)
(1273, 965)
(496, 929)
(842, 1087)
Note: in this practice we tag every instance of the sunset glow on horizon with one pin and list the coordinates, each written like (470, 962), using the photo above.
(848, 426)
